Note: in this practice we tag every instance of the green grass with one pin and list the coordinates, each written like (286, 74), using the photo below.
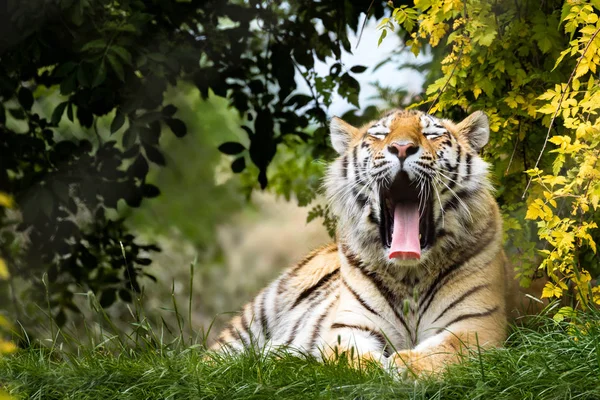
(552, 361)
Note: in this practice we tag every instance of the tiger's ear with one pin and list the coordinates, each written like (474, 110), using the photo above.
(476, 129)
(341, 134)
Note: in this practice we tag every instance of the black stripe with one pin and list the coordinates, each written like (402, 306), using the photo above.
(245, 325)
(460, 299)
(359, 299)
(294, 331)
(345, 166)
(282, 281)
(311, 289)
(386, 292)
(323, 250)
(468, 316)
(263, 317)
(361, 199)
(454, 202)
(373, 215)
(468, 160)
(385, 221)
(306, 260)
(378, 335)
(453, 179)
(237, 334)
(332, 249)
(444, 274)
(440, 280)
(309, 309)
(319, 322)
(410, 280)
(355, 162)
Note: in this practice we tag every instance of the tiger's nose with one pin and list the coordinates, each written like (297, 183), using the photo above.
(403, 150)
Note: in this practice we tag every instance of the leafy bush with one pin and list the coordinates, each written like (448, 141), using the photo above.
(532, 67)
(82, 114)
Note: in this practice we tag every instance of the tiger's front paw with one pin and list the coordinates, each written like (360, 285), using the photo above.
(411, 364)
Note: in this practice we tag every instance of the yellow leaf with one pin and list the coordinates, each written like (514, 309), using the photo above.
(547, 109)
(550, 290)
(4, 322)
(3, 270)
(6, 200)
(582, 69)
(7, 347)
(5, 396)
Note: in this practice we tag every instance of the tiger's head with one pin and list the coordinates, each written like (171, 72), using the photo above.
(406, 182)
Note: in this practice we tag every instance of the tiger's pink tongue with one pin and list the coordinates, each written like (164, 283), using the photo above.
(405, 238)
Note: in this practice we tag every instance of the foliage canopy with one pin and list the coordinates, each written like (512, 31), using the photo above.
(82, 113)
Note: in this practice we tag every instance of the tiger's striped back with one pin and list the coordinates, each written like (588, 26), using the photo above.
(290, 310)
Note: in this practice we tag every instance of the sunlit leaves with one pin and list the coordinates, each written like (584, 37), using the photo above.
(552, 290)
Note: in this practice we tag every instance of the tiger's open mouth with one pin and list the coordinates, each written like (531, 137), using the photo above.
(407, 225)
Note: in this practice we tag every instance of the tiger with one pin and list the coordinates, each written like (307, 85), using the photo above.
(417, 275)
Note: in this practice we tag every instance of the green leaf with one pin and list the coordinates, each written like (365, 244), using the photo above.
(155, 155)
(139, 168)
(116, 66)
(129, 137)
(64, 69)
(25, 98)
(231, 148)
(100, 75)
(169, 110)
(358, 69)
(300, 100)
(117, 122)
(125, 295)
(58, 112)
(159, 57)
(108, 297)
(70, 112)
(150, 191)
(94, 45)
(383, 35)
(177, 126)
(82, 77)
(68, 85)
(123, 53)
(149, 117)
(238, 165)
